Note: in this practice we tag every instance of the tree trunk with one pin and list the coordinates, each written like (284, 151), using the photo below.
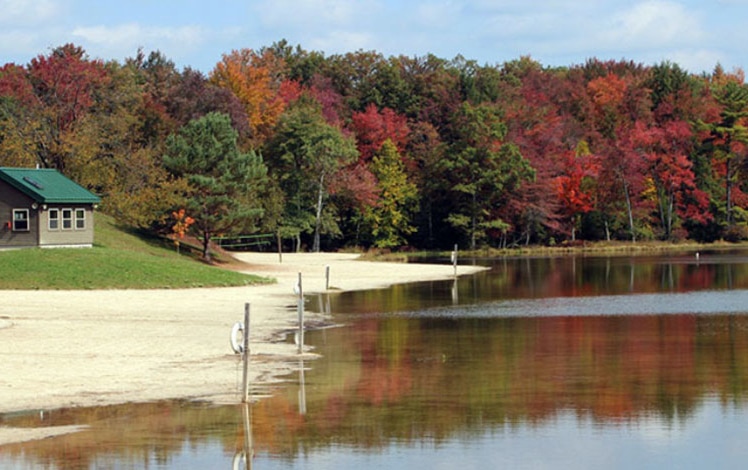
(630, 212)
(318, 221)
(473, 222)
(728, 191)
(206, 246)
(430, 220)
(671, 208)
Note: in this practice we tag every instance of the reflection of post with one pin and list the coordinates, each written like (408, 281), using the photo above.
(631, 276)
(301, 316)
(245, 456)
(302, 388)
(455, 293)
(245, 355)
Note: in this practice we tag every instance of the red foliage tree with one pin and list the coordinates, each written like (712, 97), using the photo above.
(575, 196)
(373, 127)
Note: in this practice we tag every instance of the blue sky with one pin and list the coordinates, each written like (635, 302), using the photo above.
(696, 34)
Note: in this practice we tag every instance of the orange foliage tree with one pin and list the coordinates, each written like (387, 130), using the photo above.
(255, 80)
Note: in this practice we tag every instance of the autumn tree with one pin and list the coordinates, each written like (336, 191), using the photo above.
(575, 186)
(482, 169)
(306, 153)
(532, 98)
(19, 109)
(389, 218)
(193, 96)
(727, 141)
(254, 79)
(373, 127)
(425, 150)
(60, 90)
(223, 182)
(619, 108)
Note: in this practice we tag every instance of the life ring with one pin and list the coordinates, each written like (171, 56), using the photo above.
(239, 461)
(235, 344)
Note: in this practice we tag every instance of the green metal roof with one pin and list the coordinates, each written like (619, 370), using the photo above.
(47, 186)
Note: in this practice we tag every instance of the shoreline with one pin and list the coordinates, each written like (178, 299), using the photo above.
(62, 349)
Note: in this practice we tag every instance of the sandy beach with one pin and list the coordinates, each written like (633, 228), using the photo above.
(87, 348)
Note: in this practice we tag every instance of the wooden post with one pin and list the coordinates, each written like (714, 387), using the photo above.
(301, 316)
(327, 277)
(280, 247)
(245, 355)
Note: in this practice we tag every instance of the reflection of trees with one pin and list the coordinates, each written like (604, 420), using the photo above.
(558, 277)
(135, 435)
(432, 379)
(450, 378)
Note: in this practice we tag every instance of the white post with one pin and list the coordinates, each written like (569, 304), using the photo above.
(301, 315)
(245, 355)
(454, 259)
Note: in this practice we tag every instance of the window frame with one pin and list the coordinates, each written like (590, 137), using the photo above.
(67, 222)
(55, 219)
(79, 223)
(16, 221)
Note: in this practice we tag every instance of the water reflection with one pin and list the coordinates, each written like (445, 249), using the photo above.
(558, 277)
(538, 363)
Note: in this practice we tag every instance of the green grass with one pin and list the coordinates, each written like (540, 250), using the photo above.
(118, 260)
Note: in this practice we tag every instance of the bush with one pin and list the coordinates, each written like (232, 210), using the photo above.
(736, 233)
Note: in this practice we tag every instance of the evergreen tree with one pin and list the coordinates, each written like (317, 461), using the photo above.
(222, 180)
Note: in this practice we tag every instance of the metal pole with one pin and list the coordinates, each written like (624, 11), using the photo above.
(301, 316)
(245, 355)
(454, 259)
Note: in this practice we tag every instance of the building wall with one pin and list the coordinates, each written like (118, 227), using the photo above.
(11, 198)
(62, 236)
(39, 233)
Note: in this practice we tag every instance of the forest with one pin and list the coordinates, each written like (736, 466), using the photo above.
(362, 150)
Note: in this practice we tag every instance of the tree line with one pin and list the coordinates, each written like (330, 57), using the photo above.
(359, 149)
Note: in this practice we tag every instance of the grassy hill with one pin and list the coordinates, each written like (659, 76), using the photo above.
(118, 260)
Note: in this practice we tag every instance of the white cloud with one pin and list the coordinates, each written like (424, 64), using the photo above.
(437, 15)
(698, 61)
(25, 12)
(653, 23)
(119, 41)
(343, 41)
(314, 14)
(133, 33)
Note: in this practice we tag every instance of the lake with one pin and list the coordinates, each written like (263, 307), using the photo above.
(568, 362)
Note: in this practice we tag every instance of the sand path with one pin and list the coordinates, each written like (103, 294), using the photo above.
(86, 348)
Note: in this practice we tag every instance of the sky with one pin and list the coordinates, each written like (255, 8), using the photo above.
(695, 34)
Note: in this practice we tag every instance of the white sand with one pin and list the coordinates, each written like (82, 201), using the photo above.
(87, 348)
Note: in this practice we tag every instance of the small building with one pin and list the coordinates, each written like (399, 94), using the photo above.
(43, 208)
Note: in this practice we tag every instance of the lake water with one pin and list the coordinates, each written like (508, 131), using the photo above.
(573, 362)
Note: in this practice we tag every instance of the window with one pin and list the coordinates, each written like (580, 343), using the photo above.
(20, 220)
(67, 219)
(54, 219)
(80, 219)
